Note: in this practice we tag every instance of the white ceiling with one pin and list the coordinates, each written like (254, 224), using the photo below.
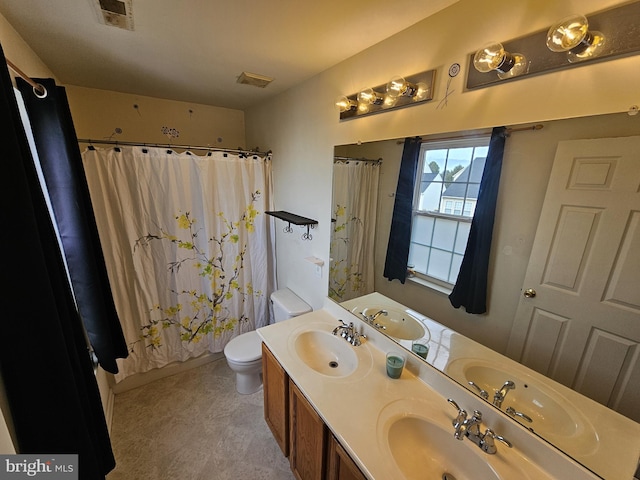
(194, 50)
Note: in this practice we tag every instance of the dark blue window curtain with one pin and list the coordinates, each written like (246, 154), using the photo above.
(51, 392)
(470, 289)
(395, 266)
(59, 154)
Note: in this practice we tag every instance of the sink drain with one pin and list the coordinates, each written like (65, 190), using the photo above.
(333, 364)
(448, 476)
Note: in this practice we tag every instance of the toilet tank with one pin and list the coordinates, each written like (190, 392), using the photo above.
(287, 304)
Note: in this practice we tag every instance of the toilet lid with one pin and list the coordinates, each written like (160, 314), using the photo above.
(244, 348)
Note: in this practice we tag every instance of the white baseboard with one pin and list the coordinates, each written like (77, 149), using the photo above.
(103, 379)
(139, 379)
(108, 409)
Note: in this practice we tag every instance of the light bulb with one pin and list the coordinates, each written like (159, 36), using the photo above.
(572, 35)
(389, 101)
(493, 56)
(345, 104)
(422, 91)
(399, 87)
(370, 97)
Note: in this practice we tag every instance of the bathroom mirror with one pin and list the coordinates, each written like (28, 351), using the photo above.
(528, 160)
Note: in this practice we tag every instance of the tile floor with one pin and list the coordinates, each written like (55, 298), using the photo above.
(194, 425)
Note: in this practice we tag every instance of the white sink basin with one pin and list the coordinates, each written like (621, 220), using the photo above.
(397, 324)
(418, 438)
(554, 417)
(419, 446)
(326, 353)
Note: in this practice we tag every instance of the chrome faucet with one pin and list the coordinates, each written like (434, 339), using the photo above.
(488, 444)
(371, 319)
(483, 393)
(498, 397)
(514, 413)
(349, 333)
(470, 428)
(377, 314)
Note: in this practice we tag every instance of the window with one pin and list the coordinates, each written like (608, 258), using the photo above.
(445, 199)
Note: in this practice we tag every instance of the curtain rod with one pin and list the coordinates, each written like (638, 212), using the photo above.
(39, 89)
(168, 145)
(354, 159)
(481, 133)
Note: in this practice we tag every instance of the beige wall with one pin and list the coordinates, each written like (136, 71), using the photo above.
(97, 113)
(17, 51)
(302, 126)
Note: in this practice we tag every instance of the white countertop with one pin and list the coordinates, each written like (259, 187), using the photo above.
(609, 442)
(351, 406)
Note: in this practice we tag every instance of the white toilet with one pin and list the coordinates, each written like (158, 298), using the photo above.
(244, 352)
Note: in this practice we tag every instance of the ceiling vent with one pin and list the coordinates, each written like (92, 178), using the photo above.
(254, 79)
(116, 13)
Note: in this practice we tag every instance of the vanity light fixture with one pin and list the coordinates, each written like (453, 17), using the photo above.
(493, 56)
(397, 93)
(572, 42)
(572, 35)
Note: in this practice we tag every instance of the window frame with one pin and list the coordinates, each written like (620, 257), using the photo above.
(466, 142)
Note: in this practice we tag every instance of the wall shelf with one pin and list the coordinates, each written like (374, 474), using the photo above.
(292, 218)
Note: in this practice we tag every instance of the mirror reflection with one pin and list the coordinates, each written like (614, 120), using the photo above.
(566, 346)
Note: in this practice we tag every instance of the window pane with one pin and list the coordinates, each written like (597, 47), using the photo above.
(462, 237)
(439, 265)
(430, 191)
(435, 161)
(455, 268)
(418, 257)
(422, 229)
(458, 163)
(444, 234)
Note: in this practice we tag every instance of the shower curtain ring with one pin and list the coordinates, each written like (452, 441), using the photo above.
(38, 89)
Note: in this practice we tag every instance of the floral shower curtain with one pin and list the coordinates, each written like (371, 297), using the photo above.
(355, 202)
(189, 250)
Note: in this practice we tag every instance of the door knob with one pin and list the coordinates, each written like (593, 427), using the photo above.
(529, 293)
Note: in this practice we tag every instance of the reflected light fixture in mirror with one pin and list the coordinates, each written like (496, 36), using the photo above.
(572, 35)
(493, 56)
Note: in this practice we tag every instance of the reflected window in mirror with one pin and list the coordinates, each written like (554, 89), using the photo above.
(445, 197)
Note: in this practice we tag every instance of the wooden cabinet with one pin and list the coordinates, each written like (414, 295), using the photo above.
(314, 453)
(276, 398)
(308, 436)
(341, 466)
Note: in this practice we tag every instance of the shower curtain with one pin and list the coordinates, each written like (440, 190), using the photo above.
(188, 248)
(355, 202)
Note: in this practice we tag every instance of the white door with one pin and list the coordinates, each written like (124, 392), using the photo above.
(578, 320)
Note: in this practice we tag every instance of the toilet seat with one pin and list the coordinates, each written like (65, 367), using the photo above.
(245, 348)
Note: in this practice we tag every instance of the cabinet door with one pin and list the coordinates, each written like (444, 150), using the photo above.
(341, 466)
(308, 437)
(276, 398)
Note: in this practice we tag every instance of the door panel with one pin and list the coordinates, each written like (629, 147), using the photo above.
(582, 326)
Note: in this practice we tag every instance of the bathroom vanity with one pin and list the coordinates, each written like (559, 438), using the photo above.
(337, 415)
(300, 432)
